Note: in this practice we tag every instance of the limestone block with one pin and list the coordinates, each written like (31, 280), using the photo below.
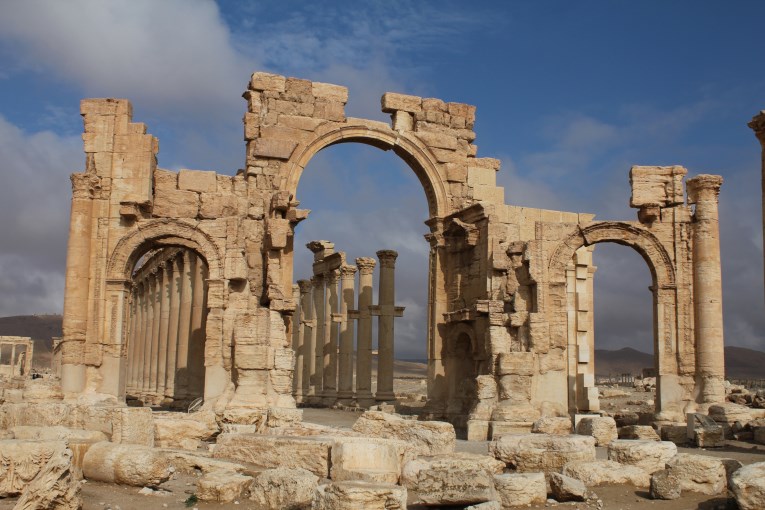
(566, 488)
(133, 425)
(222, 486)
(557, 426)
(392, 101)
(125, 464)
(542, 452)
(311, 453)
(657, 185)
(267, 81)
(182, 430)
(759, 435)
(284, 489)
(677, 434)
(665, 485)
(698, 473)
(368, 459)
(748, 486)
(28, 432)
(284, 417)
(175, 204)
(218, 205)
(329, 91)
(731, 466)
(357, 495)
(521, 489)
(274, 148)
(298, 122)
(452, 479)
(606, 472)
(198, 180)
(56, 486)
(516, 363)
(41, 390)
(641, 432)
(728, 413)
(650, 456)
(21, 461)
(200, 460)
(709, 437)
(488, 505)
(602, 428)
(425, 437)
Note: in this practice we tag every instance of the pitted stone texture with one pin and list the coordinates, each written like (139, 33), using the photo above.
(606, 472)
(222, 486)
(728, 413)
(542, 452)
(489, 505)
(602, 428)
(56, 486)
(566, 488)
(650, 456)
(639, 432)
(558, 426)
(665, 485)
(22, 461)
(425, 437)
(748, 486)
(369, 459)
(451, 479)
(284, 489)
(125, 464)
(28, 432)
(698, 473)
(521, 489)
(181, 430)
(311, 453)
(133, 425)
(357, 495)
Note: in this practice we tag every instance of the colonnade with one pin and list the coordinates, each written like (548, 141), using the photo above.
(167, 327)
(327, 323)
(17, 365)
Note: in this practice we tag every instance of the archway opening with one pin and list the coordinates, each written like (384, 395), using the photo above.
(166, 327)
(364, 200)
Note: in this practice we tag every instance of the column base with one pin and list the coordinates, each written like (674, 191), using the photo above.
(385, 396)
(329, 399)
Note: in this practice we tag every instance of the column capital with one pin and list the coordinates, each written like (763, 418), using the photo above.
(332, 276)
(320, 249)
(317, 280)
(366, 265)
(387, 258)
(84, 185)
(758, 126)
(703, 187)
(347, 271)
(304, 286)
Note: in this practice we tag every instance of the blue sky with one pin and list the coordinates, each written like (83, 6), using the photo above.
(569, 95)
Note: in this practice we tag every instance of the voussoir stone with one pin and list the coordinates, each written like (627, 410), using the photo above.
(650, 456)
(222, 486)
(602, 428)
(748, 486)
(542, 452)
(606, 472)
(699, 473)
(125, 464)
(284, 489)
(559, 426)
(358, 495)
(452, 479)
(425, 437)
(520, 489)
(311, 453)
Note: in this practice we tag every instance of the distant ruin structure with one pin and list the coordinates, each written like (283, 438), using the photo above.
(16, 356)
(181, 284)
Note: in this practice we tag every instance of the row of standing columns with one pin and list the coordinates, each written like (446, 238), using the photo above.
(167, 328)
(21, 365)
(323, 338)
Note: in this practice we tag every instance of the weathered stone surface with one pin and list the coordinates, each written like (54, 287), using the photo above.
(728, 413)
(650, 456)
(197, 180)
(677, 434)
(274, 148)
(748, 486)
(368, 459)
(284, 489)
(56, 486)
(542, 452)
(451, 479)
(698, 473)
(189, 462)
(602, 428)
(639, 432)
(29, 432)
(222, 486)
(558, 426)
(21, 461)
(665, 485)
(425, 437)
(606, 472)
(392, 102)
(181, 430)
(356, 495)
(125, 464)
(267, 81)
(488, 505)
(133, 425)
(566, 488)
(311, 453)
(521, 489)
(175, 204)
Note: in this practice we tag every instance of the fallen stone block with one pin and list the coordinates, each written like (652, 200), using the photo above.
(677, 433)
(126, 464)
(565, 488)
(190, 462)
(639, 432)
(133, 425)
(21, 461)
(650, 456)
(358, 495)
(606, 472)
(284, 489)
(520, 489)
(425, 437)
(53, 433)
(728, 413)
(542, 452)
(453, 479)
(182, 430)
(558, 426)
(222, 486)
(748, 486)
(731, 466)
(56, 486)
(368, 459)
(311, 453)
(602, 428)
(665, 485)
(698, 473)
(488, 505)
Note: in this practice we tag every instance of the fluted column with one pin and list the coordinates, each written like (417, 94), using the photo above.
(297, 348)
(318, 308)
(184, 327)
(758, 125)
(331, 333)
(164, 327)
(703, 190)
(386, 311)
(364, 398)
(145, 370)
(304, 348)
(345, 362)
(132, 337)
(140, 341)
(156, 330)
(172, 332)
(197, 340)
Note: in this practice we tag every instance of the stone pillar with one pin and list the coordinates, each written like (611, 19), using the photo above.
(197, 340)
(13, 359)
(317, 381)
(150, 312)
(304, 349)
(331, 333)
(386, 311)
(184, 327)
(156, 329)
(140, 339)
(172, 332)
(345, 362)
(297, 375)
(164, 327)
(703, 191)
(364, 398)
(758, 125)
(135, 322)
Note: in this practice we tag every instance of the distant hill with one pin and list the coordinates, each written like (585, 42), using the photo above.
(41, 328)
